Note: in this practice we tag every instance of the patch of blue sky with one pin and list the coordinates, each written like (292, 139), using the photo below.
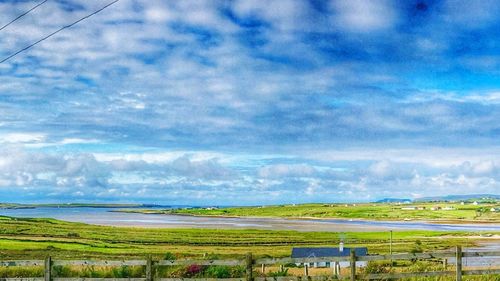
(463, 81)
(271, 97)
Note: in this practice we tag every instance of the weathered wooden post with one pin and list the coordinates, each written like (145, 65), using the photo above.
(249, 267)
(353, 265)
(445, 263)
(149, 268)
(337, 268)
(282, 267)
(390, 247)
(48, 268)
(459, 263)
(263, 269)
(306, 270)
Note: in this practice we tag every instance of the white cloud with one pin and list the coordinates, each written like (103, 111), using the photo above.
(18, 138)
(286, 170)
(364, 15)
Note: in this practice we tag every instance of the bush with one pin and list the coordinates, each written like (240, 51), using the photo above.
(279, 273)
(219, 271)
(417, 248)
(169, 256)
(193, 270)
(122, 272)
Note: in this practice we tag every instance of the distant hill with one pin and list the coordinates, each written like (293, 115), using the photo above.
(394, 200)
(464, 197)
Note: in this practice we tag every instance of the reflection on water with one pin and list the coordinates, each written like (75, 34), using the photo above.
(104, 216)
(482, 262)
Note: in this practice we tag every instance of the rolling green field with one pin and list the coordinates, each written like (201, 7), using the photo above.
(371, 211)
(34, 238)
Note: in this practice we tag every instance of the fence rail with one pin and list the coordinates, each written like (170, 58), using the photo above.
(250, 265)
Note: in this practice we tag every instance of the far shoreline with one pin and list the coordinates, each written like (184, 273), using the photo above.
(308, 218)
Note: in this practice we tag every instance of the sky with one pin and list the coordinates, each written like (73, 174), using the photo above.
(249, 102)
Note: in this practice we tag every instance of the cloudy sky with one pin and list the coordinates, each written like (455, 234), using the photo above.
(249, 102)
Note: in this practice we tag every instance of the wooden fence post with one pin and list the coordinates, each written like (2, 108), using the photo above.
(249, 267)
(149, 268)
(353, 265)
(263, 268)
(459, 263)
(48, 268)
(306, 270)
(445, 263)
(337, 268)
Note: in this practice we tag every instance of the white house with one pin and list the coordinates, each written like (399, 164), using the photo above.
(328, 252)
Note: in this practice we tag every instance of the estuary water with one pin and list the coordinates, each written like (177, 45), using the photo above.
(110, 217)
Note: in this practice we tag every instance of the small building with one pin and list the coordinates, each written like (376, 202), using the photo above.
(475, 203)
(435, 208)
(495, 210)
(409, 208)
(328, 252)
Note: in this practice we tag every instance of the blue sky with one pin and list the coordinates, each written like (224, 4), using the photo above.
(250, 102)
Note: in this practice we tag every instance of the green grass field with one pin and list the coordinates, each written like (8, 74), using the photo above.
(372, 211)
(34, 238)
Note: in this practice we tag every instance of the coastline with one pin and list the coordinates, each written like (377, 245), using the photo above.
(309, 218)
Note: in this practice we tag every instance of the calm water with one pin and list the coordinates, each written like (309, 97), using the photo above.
(104, 216)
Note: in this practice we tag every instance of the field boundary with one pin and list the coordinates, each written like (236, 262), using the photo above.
(251, 264)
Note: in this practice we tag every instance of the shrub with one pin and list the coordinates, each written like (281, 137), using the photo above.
(122, 272)
(417, 248)
(169, 256)
(193, 270)
(279, 273)
(219, 271)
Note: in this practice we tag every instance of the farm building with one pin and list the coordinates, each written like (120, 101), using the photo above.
(327, 252)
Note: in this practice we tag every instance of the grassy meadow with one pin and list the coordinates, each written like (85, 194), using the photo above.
(36, 238)
(372, 211)
(24, 238)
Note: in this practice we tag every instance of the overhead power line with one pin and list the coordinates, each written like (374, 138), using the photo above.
(23, 14)
(57, 31)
